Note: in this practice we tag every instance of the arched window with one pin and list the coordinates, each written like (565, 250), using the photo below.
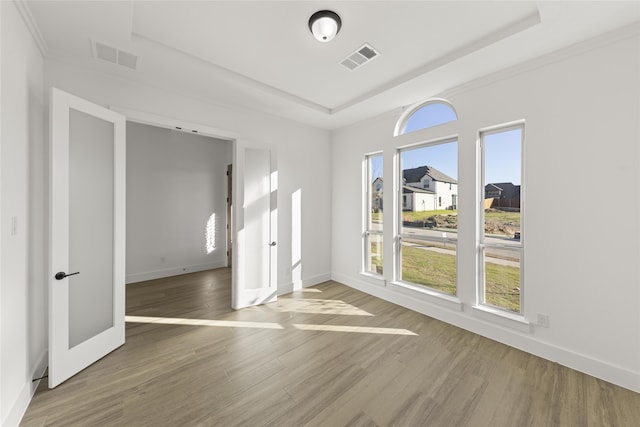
(428, 114)
(427, 184)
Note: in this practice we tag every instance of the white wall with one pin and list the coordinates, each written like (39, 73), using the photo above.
(24, 166)
(581, 109)
(175, 182)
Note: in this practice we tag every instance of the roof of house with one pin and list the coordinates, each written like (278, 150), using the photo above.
(416, 174)
(508, 190)
(411, 189)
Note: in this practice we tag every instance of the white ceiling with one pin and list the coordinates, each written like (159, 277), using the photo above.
(261, 55)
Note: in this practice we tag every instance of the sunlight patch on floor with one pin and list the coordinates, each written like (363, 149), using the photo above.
(318, 306)
(308, 290)
(266, 325)
(202, 322)
(356, 329)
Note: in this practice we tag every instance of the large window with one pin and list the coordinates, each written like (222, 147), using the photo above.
(429, 217)
(501, 239)
(374, 186)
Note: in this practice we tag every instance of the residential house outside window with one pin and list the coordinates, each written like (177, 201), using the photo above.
(428, 230)
(501, 213)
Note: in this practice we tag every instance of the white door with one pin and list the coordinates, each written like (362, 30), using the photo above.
(254, 267)
(87, 248)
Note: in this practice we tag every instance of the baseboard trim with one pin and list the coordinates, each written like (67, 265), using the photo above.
(617, 375)
(316, 280)
(174, 271)
(21, 404)
(287, 288)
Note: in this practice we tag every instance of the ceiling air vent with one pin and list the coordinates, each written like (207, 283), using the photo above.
(360, 57)
(115, 56)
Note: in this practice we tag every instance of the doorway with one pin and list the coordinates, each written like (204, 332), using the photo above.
(246, 243)
(161, 179)
(177, 208)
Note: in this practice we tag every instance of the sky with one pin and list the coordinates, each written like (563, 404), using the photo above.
(430, 115)
(502, 150)
(502, 157)
(443, 157)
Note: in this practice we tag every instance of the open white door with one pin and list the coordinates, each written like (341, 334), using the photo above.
(255, 258)
(87, 248)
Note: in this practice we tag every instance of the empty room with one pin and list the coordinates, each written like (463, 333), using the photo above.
(289, 213)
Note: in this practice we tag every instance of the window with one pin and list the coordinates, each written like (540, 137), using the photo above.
(428, 235)
(501, 241)
(431, 113)
(374, 186)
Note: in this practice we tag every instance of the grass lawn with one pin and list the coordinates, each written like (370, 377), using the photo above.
(492, 216)
(503, 286)
(429, 268)
(438, 271)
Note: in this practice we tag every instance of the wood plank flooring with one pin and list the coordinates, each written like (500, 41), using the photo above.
(325, 356)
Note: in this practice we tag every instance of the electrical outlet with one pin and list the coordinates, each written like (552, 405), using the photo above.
(543, 320)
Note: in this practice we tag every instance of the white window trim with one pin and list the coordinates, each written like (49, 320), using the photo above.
(427, 294)
(502, 315)
(373, 278)
(413, 289)
(401, 124)
(366, 232)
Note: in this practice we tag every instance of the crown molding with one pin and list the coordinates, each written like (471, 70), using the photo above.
(581, 47)
(31, 24)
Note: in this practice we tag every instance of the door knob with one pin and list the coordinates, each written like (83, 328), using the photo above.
(272, 244)
(61, 275)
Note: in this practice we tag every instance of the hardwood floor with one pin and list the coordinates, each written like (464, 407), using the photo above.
(325, 356)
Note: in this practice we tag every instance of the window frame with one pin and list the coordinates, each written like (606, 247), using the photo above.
(398, 280)
(368, 205)
(482, 244)
(401, 124)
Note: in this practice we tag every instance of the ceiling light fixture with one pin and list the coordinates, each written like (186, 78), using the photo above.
(324, 25)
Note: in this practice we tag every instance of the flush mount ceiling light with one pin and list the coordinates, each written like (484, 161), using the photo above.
(324, 25)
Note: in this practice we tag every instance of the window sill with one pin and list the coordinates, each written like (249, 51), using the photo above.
(503, 318)
(433, 297)
(375, 279)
